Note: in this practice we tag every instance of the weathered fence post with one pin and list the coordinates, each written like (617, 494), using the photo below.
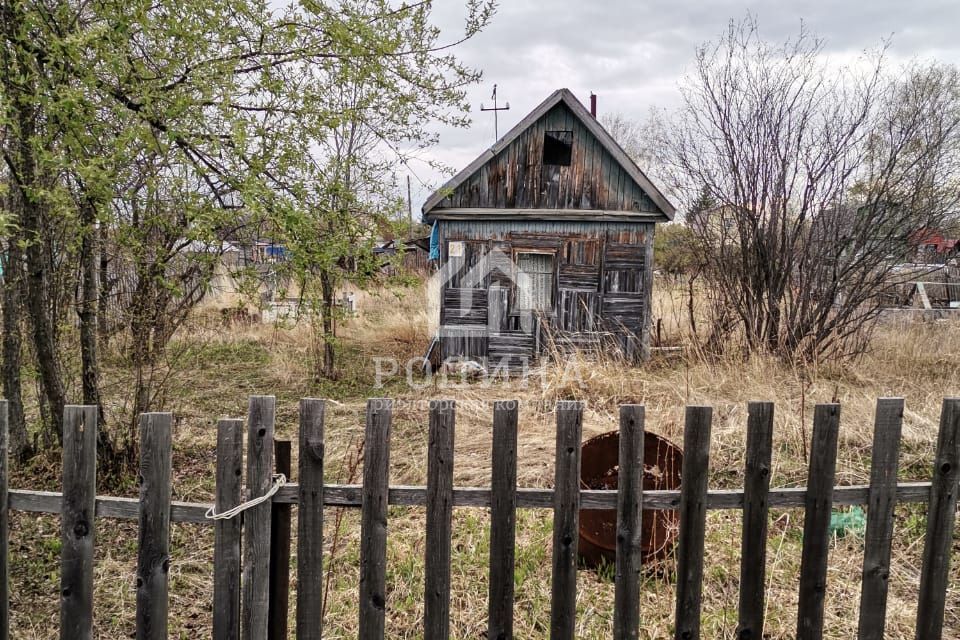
(310, 522)
(4, 525)
(880, 505)
(77, 522)
(816, 521)
(566, 518)
(753, 542)
(153, 549)
(941, 518)
(226, 545)
(503, 520)
(259, 608)
(436, 619)
(256, 522)
(693, 521)
(373, 519)
(280, 551)
(626, 599)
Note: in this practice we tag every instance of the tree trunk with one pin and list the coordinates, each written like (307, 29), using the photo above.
(12, 349)
(103, 324)
(691, 314)
(36, 293)
(329, 325)
(27, 287)
(87, 312)
(141, 328)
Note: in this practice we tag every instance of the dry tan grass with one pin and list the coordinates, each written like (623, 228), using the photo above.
(221, 368)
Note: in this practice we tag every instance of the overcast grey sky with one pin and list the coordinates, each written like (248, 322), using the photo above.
(632, 53)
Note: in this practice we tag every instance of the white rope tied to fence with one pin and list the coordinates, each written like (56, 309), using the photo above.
(278, 481)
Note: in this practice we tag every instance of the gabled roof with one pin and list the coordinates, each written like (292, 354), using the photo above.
(606, 140)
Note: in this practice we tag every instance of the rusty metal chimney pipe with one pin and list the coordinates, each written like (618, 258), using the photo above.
(593, 104)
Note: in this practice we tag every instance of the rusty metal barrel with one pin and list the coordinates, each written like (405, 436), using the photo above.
(599, 469)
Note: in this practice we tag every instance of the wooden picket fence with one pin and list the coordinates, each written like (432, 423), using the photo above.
(251, 588)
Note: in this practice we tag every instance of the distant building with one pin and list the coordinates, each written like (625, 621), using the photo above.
(414, 256)
(934, 247)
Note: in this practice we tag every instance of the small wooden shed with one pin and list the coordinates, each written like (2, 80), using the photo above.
(546, 238)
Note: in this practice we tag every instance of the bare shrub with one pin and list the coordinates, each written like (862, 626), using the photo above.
(811, 183)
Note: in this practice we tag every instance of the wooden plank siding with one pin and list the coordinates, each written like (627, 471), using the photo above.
(464, 307)
(575, 277)
(255, 579)
(516, 178)
(310, 581)
(77, 526)
(227, 533)
(468, 342)
(350, 495)
(153, 541)
(503, 520)
(511, 349)
(4, 527)
(601, 286)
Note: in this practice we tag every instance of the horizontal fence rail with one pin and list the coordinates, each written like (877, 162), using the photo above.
(252, 550)
(350, 496)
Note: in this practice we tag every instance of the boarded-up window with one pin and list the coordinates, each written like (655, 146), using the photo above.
(557, 148)
(534, 281)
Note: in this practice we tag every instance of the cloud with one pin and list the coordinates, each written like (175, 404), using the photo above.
(632, 54)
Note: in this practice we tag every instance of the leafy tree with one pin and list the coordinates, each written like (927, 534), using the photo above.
(675, 249)
(208, 117)
(348, 197)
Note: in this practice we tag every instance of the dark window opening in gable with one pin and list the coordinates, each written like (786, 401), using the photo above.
(557, 147)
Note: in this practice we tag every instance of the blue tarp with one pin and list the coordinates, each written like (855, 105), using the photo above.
(276, 251)
(434, 242)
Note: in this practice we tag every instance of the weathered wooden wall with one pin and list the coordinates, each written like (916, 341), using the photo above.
(601, 289)
(516, 178)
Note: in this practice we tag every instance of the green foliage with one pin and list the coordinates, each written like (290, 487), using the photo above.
(330, 212)
(703, 203)
(159, 127)
(674, 249)
(290, 118)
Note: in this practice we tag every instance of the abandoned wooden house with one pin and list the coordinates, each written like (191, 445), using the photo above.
(546, 238)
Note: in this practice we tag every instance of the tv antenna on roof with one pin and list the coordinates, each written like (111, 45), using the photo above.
(495, 109)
